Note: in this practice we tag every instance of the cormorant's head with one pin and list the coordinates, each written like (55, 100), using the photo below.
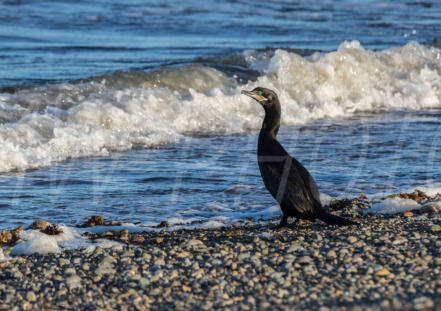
(263, 96)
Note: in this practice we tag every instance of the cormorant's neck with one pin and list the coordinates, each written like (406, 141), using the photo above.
(271, 122)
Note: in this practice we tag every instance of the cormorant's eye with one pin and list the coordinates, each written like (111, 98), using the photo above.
(260, 93)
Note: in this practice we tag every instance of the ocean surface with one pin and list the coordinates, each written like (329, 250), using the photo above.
(132, 110)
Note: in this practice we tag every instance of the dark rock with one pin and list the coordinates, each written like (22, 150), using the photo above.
(431, 209)
(163, 224)
(416, 195)
(137, 238)
(123, 234)
(39, 224)
(10, 237)
(98, 221)
(93, 221)
(348, 207)
(52, 230)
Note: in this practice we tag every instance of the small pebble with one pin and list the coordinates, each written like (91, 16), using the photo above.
(436, 228)
(352, 239)
(382, 272)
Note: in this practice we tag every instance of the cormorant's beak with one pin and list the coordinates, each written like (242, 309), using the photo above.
(255, 96)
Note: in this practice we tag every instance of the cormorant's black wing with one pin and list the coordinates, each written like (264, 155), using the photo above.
(299, 190)
(288, 181)
(308, 181)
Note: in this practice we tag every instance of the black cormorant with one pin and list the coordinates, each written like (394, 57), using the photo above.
(285, 177)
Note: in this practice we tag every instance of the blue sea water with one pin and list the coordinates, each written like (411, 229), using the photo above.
(132, 110)
(44, 41)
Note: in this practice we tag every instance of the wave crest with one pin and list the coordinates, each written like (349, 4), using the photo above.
(51, 123)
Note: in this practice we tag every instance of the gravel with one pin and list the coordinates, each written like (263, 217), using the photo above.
(389, 263)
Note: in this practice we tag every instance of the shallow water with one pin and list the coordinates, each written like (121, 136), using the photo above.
(134, 112)
(217, 178)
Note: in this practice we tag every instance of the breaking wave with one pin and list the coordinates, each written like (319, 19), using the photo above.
(44, 124)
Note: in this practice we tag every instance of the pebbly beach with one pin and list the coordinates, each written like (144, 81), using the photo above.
(386, 262)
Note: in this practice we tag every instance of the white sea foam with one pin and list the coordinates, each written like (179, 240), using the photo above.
(325, 199)
(37, 243)
(430, 190)
(33, 241)
(132, 228)
(393, 206)
(113, 113)
(103, 243)
(4, 257)
(212, 224)
(267, 236)
(181, 221)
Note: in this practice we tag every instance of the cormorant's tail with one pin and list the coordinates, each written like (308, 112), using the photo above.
(335, 220)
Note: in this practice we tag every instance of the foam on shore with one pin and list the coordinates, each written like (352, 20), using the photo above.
(4, 257)
(393, 206)
(36, 242)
